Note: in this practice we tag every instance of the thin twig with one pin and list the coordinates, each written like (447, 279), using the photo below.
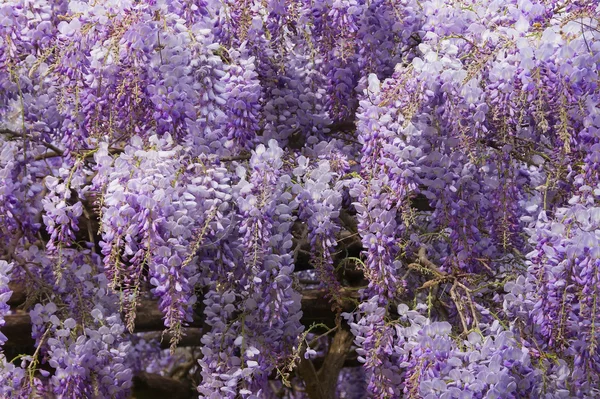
(243, 157)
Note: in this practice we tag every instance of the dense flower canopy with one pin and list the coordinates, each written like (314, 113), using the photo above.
(430, 170)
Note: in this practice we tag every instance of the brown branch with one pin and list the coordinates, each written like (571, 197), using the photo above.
(350, 361)
(154, 386)
(241, 157)
(190, 337)
(19, 293)
(334, 361)
(52, 147)
(425, 266)
(427, 263)
(321, 384)
(149, 318)
(46, 155)
(308, 373)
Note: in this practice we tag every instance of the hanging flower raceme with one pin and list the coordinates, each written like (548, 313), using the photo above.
(267, 244)
(563, 286)
(227, 366)
(159, 210)
(82, 335)
(374, 339)
(336, 24)
(78, 334)
(10, 190)
(387, 179)
(244, 101)
(318, 208)
(247, 332)
(422, 358)
(386, 33)
(5, 293)
(62, 211)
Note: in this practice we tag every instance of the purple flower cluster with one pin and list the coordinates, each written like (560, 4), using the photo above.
(559, 295)
(244, 101)
(69, 350)
(172, 147)
(336, 26)
(374, 339)
(318, 204)
(258, 323)
(228, 366)
(79, 335)
(148, 226)
(15, 380)
(421, 358)
(387, 179)
(9, 189)
(62, 212)
(16, 189)
(385, 35)
(352, 383)
(5, 293)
